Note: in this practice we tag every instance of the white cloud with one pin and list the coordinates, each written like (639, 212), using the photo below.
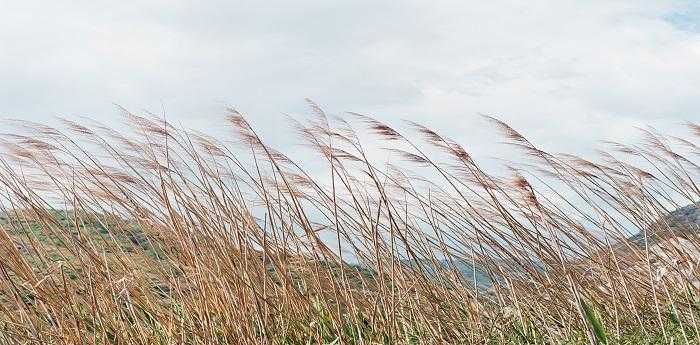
(563, 72)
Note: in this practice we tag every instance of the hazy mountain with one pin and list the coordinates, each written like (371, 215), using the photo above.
(683, 221)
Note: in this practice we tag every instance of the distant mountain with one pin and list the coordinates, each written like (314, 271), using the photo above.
(688, 215)
(683, 221)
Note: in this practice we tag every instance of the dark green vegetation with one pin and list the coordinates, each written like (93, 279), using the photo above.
(166, 236)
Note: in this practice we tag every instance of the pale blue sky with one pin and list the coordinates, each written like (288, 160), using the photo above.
(566, 73)
(686, 16)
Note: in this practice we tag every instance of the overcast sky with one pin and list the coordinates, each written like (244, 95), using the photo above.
(566, 73)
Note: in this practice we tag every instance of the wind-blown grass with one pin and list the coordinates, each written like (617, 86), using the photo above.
(164, 235)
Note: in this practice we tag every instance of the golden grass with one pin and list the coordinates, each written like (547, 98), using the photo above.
(161, 235)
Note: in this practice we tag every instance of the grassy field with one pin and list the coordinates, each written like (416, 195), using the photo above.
(162, 235)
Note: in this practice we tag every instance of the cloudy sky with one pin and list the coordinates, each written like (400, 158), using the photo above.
(566, 73)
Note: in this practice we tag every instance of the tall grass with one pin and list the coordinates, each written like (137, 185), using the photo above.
(162, 235)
